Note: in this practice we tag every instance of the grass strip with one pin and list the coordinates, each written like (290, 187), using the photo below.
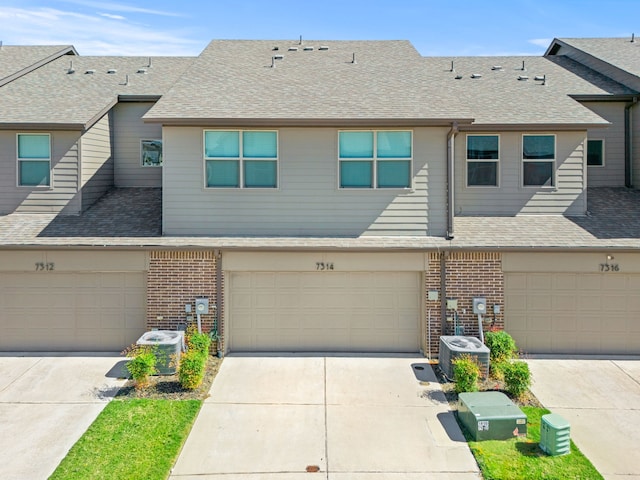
(131, 439)
(521, 458)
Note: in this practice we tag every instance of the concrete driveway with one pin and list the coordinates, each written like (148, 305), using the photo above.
(350, 417)
(601, 400)
(46, 404)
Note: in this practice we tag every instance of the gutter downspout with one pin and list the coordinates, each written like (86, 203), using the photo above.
(451, 136)
(218, 304)
(443, 293)
(628, 143)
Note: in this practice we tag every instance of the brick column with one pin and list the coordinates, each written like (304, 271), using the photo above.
(175, 279)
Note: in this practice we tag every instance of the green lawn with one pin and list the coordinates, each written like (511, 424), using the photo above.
(131, 439)
(521, 458)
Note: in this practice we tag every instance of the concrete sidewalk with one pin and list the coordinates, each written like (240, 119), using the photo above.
(601, 400)
(351, 417)
(46, 404)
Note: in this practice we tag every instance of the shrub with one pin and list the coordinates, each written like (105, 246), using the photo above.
(192, 368)
(517, 378)
(466, 372)
(197, 341)
(502, 346)
(142, 364)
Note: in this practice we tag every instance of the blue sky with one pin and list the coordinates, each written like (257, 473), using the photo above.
(439, 28)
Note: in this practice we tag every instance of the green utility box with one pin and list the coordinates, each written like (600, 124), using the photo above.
(491, 416)
(554, 435)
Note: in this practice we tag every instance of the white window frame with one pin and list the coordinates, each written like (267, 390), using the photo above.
(26, 159)
(152, 165)
(476, 160)
(241, 159)
(374, 159)
(541, 160)
(602, 141)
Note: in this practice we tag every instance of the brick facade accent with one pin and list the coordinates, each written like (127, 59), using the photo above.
(468, 275)
(176, 279)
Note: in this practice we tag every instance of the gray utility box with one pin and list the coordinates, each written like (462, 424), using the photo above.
(491, 416)
(554, 435)
(453, 346)
(167, 345)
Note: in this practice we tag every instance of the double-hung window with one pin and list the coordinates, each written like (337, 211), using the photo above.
(375, 159)
(241, 158)
(595, 153)
(34, 159)
(538, 160)
(483, 155)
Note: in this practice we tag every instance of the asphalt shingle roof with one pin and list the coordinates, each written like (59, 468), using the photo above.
(619, 52)
(131, 217)
(52, 95)
(235, 80)
(496, 96)
(15, 59)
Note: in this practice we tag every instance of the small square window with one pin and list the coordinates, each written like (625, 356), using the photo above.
(151, 153)
(595, 153)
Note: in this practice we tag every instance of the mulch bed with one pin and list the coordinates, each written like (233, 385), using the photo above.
(167, 387)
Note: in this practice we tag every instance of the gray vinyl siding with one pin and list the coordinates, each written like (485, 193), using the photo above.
(97, 161)
(612, 174)
(308, 200)
(600, 66)
(129, 129)
(511, 198)
(61, 197)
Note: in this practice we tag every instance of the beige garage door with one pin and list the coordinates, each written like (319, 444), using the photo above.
(331, 311)
(52, 311)
(574, 313)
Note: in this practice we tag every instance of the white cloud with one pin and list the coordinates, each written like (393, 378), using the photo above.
(541, 42)
(110, 15)
(117, 7)
(97, 34)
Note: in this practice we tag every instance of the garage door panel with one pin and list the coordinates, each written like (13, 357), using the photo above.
(328, 311)
(599, 314)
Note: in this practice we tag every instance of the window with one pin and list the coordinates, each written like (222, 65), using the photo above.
(241, 158)
(375, 159)
(483, 153)
(595, 153)
(538, 160)
(34, 159)
(151, 153)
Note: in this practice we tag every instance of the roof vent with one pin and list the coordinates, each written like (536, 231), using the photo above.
(293, 49)
(308, 49)
(300, 42)
(476, 75)
(451, 69)
(142, 70)
(541, 78)
(523, 69)
(71, 69)
(273, 62)
(323, 47)
(278, 57)
(496, 67)
(633, 38)
(522, 78)
(149, 66)
(353, 59)
(458, 77)
(111, 71)
(275, 49)
(90, 72)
